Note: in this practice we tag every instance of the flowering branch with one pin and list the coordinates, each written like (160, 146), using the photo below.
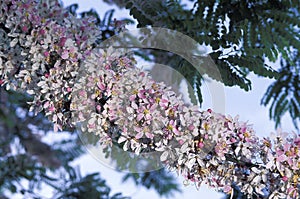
(51, 55)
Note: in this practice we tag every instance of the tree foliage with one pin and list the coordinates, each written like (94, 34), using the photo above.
(156, 179)
(30, 162)
(25, 157)
(242, 35)
(284, 94)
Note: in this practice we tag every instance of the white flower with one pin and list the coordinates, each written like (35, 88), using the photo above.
(164, 156)
(30, 92)
(248, 189)
(13, 42)
(259, 175)
(277, 195)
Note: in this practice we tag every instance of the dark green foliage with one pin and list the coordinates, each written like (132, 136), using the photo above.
(206, 23)
(106, 24)
(40, 164)
(242, 34)
(26, 157)
(284, 94)
(160, 180)
(90, 186)
(37, 162)
(68, 150)
(145, 169)
(144, 11)
(150, 175)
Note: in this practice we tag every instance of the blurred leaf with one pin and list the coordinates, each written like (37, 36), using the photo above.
(161, 180)
(284, 94)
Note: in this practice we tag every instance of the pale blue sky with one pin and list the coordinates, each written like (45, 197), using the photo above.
(245, 104)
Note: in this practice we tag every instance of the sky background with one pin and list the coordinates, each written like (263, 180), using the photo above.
(237, 102)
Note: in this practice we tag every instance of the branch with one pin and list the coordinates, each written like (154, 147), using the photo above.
(103, 93)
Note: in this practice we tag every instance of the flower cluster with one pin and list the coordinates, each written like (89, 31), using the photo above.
(51, 55)
(95, 88)
(41, 51)
(148, 112)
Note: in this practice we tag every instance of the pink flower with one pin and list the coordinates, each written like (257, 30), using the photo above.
(191, 127)
(142, 74)
(297, 141)
(143, 131)
(82, 28)
(46, 105)
(200, 145)
(145, 112)
(107, 66)
(57, 127)
(81, 117)
(101, 86)
(164, 103)
(221, 148)
(141, 94)
(140, 116)
(139, 132)
(243, 129)
(171, 127)
(149, 135)
(181, 142)
(284, 178)
(46, 53)
(132, 97)
(281, 158)
(98, 107)
(42, 32)
(92, 126)
(227, 189)
(24, 28)
(293, 192)
(62, 41)
(65, 54)
(51, 108)
(233, 140)
(82, 93)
